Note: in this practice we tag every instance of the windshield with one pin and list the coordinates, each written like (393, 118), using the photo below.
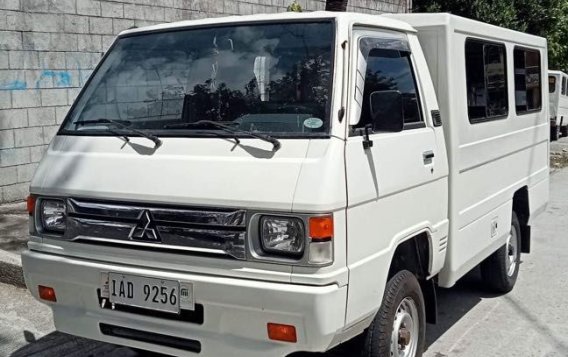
(268, 78)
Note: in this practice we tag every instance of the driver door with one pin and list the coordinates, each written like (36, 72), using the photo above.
(394, 178)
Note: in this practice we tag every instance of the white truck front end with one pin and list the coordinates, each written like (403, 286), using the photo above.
(222, 291)
(151, 231)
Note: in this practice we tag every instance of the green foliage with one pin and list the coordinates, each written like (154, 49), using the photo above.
(295, 7)
(546, 18)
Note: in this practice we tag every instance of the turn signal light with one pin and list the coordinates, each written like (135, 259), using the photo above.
(279, 332)
(321, 228)
(47, 293)
(30, 203)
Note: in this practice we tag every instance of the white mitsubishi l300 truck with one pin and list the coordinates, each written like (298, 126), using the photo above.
(268, 184)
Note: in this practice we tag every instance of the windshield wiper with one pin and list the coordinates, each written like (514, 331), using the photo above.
(275, 142)
(220, 135)
(123, 124)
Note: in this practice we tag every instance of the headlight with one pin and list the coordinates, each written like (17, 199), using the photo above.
(282, 235)
(53, 214)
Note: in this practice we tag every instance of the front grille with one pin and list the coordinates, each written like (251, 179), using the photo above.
(151, 337)
(202, 231)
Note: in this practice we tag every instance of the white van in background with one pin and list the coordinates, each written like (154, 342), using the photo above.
(263, 185)
(558, 104)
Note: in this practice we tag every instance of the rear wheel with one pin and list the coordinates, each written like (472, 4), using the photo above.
(398, 329)
(564, 130)
(500, 270)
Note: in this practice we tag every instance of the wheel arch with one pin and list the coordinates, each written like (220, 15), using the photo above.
(412, 254)
(415, 255)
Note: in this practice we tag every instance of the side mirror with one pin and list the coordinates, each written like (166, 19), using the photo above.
(387, 110)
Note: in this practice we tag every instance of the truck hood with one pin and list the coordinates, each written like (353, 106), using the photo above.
(195, 171)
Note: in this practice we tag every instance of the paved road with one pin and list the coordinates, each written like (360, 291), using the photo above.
(530, 321)
(26, 329)
(22, 319)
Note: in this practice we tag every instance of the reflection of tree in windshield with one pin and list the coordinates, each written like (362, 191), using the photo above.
(221, 104)
(305, 86)
(306, 82)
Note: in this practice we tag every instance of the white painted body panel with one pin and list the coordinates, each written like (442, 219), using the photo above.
(192, 171)
(488, 161)
(558, 102)
(378, 197)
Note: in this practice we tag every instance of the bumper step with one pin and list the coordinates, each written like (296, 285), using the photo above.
(151, 337)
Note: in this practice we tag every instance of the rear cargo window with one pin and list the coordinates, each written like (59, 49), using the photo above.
(528, 93)
(563, 85)
(485, 64)
(551, 84)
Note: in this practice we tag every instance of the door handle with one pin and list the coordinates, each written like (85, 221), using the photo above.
(428, 156)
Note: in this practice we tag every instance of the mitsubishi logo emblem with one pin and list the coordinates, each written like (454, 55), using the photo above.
(145, 229)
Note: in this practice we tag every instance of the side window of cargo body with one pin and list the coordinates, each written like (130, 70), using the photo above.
(389, 68)
(528, 88)
(486, 80)
(563, 85)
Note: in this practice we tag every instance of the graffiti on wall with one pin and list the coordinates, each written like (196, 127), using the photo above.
(60, 79)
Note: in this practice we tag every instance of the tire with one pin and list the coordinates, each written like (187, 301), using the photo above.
(564, 131)
(403, 305)
(501, 269)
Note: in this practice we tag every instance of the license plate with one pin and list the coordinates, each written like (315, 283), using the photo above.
(148, 293)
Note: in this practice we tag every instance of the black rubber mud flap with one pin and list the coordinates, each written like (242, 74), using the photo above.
(431, 300)
(525, 239)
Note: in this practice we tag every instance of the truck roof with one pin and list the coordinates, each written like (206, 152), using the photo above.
(349, 17)
(467, 26)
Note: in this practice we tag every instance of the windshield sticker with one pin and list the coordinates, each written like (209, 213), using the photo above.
(313, 123)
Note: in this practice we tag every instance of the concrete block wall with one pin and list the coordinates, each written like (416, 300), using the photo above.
(48, 49)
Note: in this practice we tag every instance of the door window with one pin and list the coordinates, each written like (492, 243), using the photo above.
(389, 68)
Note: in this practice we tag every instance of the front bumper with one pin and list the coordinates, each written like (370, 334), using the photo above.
(235, 311)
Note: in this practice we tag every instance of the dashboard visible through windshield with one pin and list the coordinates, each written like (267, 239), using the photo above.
(271, 78)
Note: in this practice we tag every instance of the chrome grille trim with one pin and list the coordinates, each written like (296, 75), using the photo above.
(151, 245)
(209, 231)
(234, 218)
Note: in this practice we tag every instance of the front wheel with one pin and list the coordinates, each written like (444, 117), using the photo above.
(398, 329)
